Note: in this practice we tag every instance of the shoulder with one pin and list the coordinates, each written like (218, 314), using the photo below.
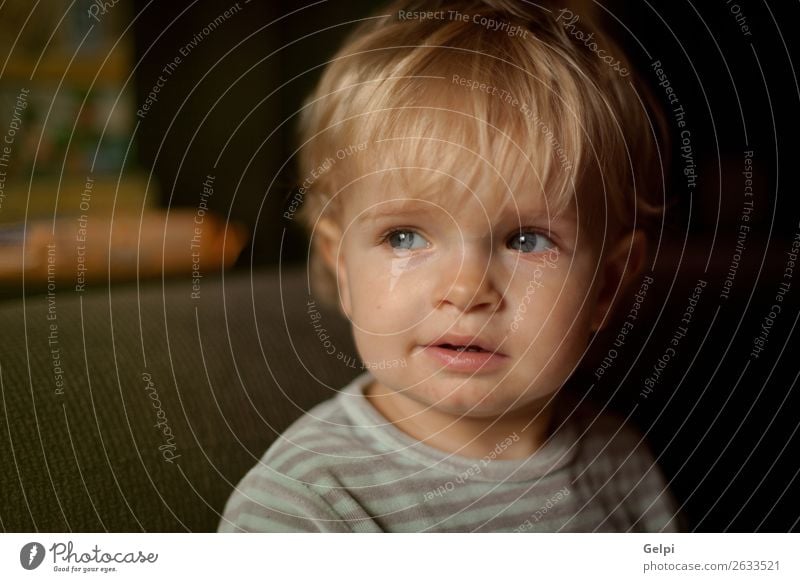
(605, 435)
(323, 436)
(615, 455)
(268, 501)
(288, 489)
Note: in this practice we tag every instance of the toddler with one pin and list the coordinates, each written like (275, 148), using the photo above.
(475, 178)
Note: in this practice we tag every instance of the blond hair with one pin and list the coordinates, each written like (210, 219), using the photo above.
(494, 93)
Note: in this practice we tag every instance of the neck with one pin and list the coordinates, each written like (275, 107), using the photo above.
(527, 427)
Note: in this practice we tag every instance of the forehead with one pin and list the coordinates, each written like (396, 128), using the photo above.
(376, 198)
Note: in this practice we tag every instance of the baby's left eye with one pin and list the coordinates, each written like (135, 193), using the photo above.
(526, 241)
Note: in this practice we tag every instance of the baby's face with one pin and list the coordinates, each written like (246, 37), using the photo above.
(462, 303)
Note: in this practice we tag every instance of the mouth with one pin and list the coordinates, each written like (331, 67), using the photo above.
(462, 354)
(465, 343)
(463, 348)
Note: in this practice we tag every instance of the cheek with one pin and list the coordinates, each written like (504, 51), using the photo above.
(377, 345)
(551, 307)
(388, 293)
(552, 339)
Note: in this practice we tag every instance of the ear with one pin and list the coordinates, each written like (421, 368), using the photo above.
(328, 241)
(623, 262)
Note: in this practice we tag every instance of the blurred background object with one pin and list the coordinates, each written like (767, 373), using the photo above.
(72, 190)
(68, 107)
(123, 249)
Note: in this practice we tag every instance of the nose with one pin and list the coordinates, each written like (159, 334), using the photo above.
(467, 283)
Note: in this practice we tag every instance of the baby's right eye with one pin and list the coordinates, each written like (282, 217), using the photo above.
(406, 239)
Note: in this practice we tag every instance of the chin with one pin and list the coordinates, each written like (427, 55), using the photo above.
(465, 396)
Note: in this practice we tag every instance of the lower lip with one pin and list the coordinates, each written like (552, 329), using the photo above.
(465, 361)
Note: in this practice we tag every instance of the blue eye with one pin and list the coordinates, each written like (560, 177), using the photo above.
(529, 242)
(406, 240)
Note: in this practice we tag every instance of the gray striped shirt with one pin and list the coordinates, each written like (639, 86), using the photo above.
(343, 468)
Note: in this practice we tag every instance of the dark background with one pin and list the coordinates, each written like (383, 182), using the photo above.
(722, 423)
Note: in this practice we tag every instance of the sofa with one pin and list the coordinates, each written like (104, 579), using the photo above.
(139, 407)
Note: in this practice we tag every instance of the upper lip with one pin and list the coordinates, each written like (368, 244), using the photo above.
(466, 340)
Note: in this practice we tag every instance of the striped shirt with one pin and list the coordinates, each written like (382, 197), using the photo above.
(343, 467)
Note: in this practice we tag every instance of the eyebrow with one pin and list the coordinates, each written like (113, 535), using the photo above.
(401, 208)
(388, 209)
(540, 215)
